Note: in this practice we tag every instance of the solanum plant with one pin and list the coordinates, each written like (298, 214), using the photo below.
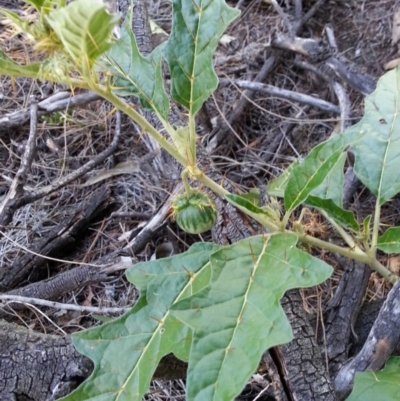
(207, 305)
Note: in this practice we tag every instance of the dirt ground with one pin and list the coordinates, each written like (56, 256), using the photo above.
(268, 134)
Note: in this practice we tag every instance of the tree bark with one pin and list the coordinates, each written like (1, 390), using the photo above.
(38, 367)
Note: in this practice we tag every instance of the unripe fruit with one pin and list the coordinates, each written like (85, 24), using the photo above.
(194, 212)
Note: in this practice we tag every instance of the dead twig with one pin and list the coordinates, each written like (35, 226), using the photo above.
(9, 205)
(290, 95)
(57, 305)
(47, 190)
(60, 101)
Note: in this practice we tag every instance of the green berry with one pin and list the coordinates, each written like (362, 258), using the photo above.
(194, 212)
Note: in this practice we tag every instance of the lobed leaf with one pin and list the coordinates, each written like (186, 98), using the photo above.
(389, 242)
(196, 28)
(377, 154)
(238, 315)
(374, 386)
(84, 28)
(134, 74)
(127, 350)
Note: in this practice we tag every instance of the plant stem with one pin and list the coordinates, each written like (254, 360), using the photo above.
(356, 254)
(353, 253)
(347, 238)
(375, 228)
(383, 271)
(192, 141)
(144, 124)
(185, 182)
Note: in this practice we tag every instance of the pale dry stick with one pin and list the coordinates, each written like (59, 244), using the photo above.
(310, 13)
(344, 104)
(61, 306)
(341, 94)
(285, 118)
(298, 10)
(331, 38)
(60, 101)
(268, 66)
(8, 207)
(290, 95)
(283, 16)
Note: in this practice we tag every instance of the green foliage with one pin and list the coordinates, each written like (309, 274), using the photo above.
(196, 28)
(389, 242)
(373, 386)
(215, 307)
(315, 168)
(201, 305)
(133, 74)
(74, 36)
(84, 28)
(344, 217)
(238, 315)
(332, 185)
(270, 211)
(127, 350)
(10, 67)
(377, 152)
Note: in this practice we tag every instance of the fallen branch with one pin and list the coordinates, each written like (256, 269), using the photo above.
(289, 95)
(57, 305)
(60, 101)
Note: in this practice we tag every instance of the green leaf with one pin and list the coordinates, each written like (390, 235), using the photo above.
(238, 315)
(196, 28)
(341, 216)
(332, 186)
(36, 3)
(389, 242)
(277, 186)
(244, 204)
(309, 175)
(127, 350)
(11, 68)
(84, 28)
(270, 211)
(373, 386)
(45, 6)
(136, 75)
(366, 231)
(377, 154)
(312, 171)
(252, 196)
(22, 24)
